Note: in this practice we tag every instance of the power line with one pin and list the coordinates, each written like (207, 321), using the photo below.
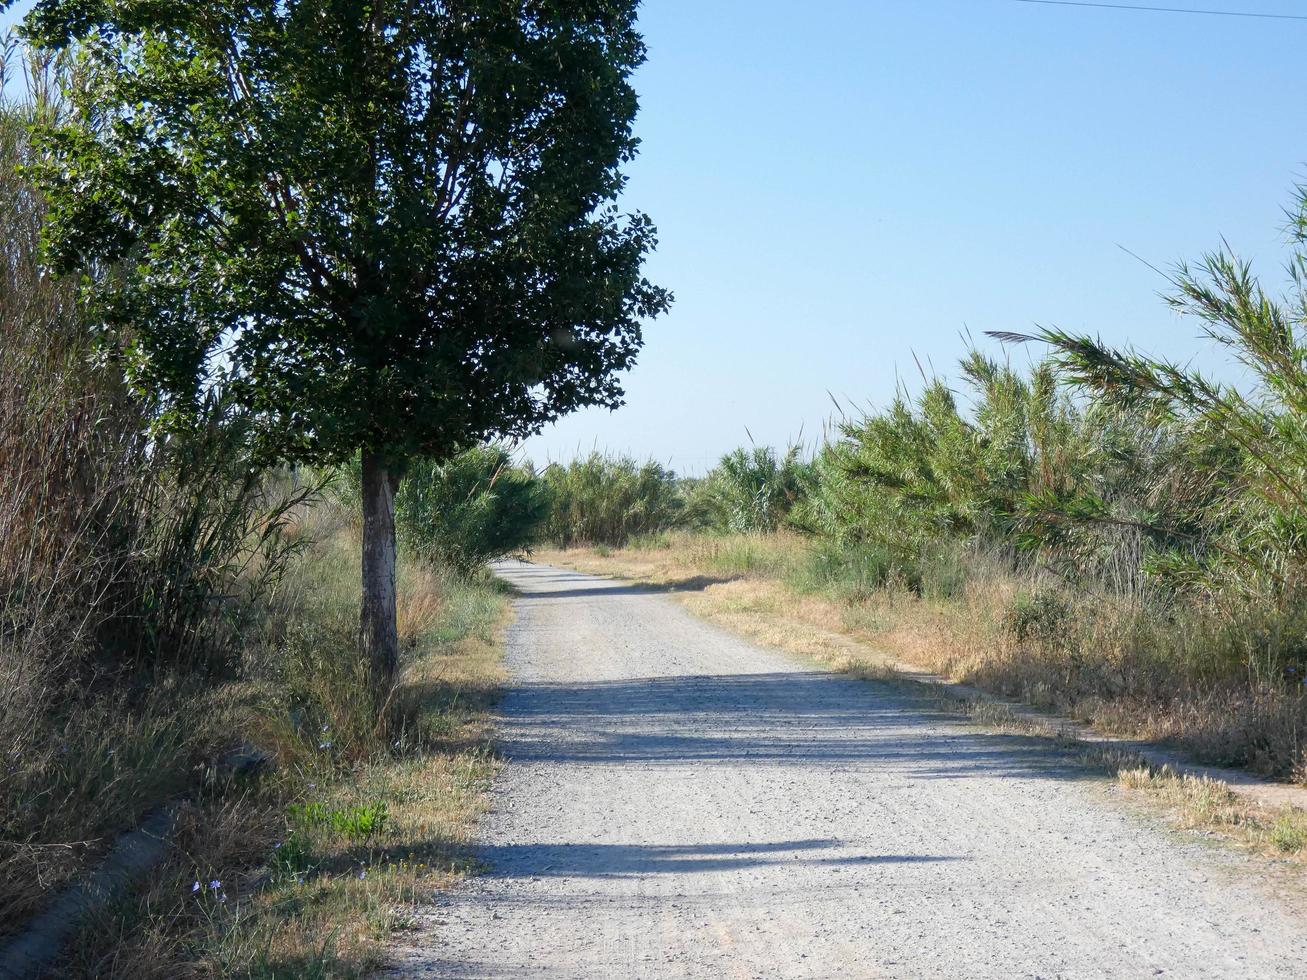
(1165, 10)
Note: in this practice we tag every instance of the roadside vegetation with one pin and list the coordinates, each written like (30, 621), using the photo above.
(307, 859)
(608, 500)
(1208, 806)
(220, 399)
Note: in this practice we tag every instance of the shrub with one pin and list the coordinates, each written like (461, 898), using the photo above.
(1105, 493)
(1040, 615)
(1253, 537)
(851, 571)
(357, 822)
(129, 563)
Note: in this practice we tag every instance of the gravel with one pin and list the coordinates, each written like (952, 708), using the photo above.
(681, 803)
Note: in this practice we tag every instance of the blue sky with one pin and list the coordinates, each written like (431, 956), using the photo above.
(840, 185)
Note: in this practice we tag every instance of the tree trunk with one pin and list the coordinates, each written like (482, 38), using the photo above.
(378, 630)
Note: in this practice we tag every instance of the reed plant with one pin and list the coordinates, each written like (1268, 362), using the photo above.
(473, 508)
(608, 500)
(752, 490)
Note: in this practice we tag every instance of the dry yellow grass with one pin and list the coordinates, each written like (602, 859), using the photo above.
(418, 604)
(1208, 805)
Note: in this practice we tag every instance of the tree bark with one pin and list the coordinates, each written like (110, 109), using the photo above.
(378, 628)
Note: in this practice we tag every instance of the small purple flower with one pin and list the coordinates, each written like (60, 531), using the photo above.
(196, 887)
(215, 884)
(363, 874)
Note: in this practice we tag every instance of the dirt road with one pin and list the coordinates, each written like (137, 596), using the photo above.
(681, 803)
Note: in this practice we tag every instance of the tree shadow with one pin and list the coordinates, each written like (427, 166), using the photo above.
(642, 860)
(594, 860)
(547, 582)
(799, 718)
(694, 583)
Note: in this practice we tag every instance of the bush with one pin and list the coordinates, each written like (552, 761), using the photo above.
(472, 509)
(609, 500)
(1105, 493)
(851, 571)
(1253, 537)
(1040, 615)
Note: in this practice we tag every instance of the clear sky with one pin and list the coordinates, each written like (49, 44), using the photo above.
(841, 184)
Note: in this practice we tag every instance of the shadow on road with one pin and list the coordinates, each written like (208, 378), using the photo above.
(784, 718)
(546, 583)
(639, 860)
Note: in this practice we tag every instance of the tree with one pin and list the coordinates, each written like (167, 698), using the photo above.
(385, 227)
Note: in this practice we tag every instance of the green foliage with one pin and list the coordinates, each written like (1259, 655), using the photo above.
(379, 228)
(609, 500)
(1102, 492)
(752, 490)
(294, 855)
(851, 571)
(150, 544)
(926, 469)
(1123, 475)
(357, 822)
(471, 509)
(1288, 834)
(1040, 615)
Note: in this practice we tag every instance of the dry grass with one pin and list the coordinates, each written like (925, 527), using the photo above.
(418, 605)
(1209, 806)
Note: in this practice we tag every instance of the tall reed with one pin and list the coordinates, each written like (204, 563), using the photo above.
(471, 509)
(752, 490)
(609, 500)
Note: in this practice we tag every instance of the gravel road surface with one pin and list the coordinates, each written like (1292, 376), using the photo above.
(681, 803)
